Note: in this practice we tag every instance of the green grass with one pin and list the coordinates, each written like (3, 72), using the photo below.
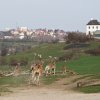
(4, 89)
(84, 65)
(95, 76)
(89, 89)
(14, 80)
(5, 68)
(45, 50)
(94, 44)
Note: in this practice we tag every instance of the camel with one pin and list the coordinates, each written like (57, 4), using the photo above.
(41, 69)
(36, 73)
(64, 69)
(49, 69)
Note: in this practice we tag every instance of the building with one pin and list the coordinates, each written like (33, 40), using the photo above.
(97, 34)
(5, 35)
(23, 29)
(1, 35)
(92, 26)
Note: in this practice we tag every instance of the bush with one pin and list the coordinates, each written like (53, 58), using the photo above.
(66, 57)
(76, 37)
(23, 61)
(4, 51)
(95, 52)
(13, 62)
(3, 61)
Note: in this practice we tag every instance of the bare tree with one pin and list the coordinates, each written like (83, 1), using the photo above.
(76, 37)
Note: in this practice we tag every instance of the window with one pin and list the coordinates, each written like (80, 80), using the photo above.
(89, 27)
(96, 27)
(93, 27)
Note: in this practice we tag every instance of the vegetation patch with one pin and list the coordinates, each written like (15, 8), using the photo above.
(4, 89)
(89, 89)
(66, 57)
(15, 80)
(95, 52)
(85, 65)
(76, 45)
(82, 77)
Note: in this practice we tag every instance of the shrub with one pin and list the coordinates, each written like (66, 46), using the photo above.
(3, 61)
(4, 51)
(95, 52)
(13, 62)
(66, 57)
(23, 61)
(76, 37)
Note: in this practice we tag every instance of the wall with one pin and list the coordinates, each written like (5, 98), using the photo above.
(92, 29)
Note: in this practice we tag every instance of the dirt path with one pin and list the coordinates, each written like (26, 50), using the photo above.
(48, 94)
(60, 90)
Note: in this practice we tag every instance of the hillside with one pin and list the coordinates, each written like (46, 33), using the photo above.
(80, 63)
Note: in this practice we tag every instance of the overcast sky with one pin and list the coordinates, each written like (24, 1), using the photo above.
(69, 15)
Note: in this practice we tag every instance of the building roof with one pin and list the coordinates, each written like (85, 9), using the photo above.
(5, 33)
(93, 22)
(1, 34)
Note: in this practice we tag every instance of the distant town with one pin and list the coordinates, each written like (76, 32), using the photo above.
(47, 35)
(43, 35)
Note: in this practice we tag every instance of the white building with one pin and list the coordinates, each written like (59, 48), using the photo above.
(23, 29)
(92, 26)
(21, 35)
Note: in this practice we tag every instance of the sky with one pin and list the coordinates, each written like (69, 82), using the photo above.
(69, 15)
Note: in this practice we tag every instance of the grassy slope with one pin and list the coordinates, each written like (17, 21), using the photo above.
(45, 50)
(84, 65)
(90, 89)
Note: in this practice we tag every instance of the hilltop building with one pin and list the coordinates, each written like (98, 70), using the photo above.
(92, 26)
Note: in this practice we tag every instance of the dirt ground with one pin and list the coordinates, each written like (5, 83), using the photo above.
(58, 90)
(48, 94)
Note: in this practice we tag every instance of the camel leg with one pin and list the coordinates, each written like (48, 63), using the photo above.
(47, 72)
(38, 80)
(33, 78)
(50, 71)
